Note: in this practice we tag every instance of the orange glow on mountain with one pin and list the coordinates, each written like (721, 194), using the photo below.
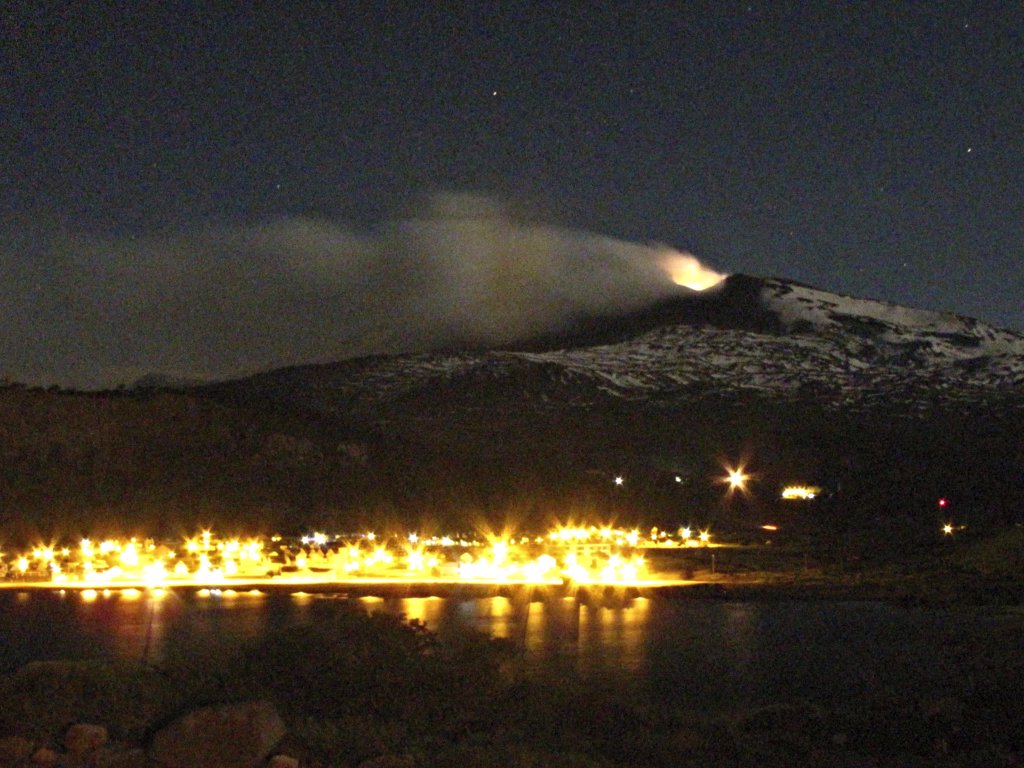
(686, 270)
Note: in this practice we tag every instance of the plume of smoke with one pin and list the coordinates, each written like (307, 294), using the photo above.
(686, 270)
(216, 302)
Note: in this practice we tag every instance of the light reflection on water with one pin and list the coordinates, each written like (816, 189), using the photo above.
(129, 624)
(702, 654)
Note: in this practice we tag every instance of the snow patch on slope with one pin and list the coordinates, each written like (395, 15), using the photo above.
(947, 334)
(838, 351)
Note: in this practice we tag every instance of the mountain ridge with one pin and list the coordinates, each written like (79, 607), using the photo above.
(889, 407)
(781, 338)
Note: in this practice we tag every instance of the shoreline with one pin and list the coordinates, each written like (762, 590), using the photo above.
(919, 589)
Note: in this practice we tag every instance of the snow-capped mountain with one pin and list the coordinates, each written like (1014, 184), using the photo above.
(749, 336)
(893, 405)
(889, 407)
(836, 348)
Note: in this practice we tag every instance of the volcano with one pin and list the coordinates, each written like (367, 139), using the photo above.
(885, 407)
(773, 338)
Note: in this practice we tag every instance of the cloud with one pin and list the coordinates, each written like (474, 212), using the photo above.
(219, 301)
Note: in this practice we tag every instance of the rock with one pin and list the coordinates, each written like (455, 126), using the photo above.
(84, 738)
(45, 757)
(388, 761)
(781, 718)
(283, 761)
(688, 740)
(862, 761)
(120, 756)
(226, 736)
(14, 749)
(947, 711)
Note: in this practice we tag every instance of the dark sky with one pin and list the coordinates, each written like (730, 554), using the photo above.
(209, 189)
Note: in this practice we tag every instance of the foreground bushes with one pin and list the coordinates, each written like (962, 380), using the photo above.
(356, 687)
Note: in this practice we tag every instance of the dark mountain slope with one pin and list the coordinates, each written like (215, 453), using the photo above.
(876, 398)
(887, 407)
(734, 304)
(75, 464)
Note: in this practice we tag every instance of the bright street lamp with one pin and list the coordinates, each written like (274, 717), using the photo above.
(736, 479)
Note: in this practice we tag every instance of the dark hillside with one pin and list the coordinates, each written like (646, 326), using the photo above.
(735, 304)
(74, 463)
(887, 409)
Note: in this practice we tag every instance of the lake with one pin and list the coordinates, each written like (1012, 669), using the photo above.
(701, 654)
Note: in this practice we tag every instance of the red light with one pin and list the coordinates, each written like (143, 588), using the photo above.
(943, 502)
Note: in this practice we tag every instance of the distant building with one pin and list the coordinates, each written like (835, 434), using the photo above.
(800, 492)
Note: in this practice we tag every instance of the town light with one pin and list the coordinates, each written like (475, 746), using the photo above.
(582, 555)
(800, 492)
(736, 479)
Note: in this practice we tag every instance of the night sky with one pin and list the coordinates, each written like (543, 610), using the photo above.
(206, 190)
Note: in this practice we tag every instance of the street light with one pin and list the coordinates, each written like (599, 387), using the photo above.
(736, 479)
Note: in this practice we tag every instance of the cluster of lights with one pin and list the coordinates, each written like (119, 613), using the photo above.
(620, 537)
(201, 559)
(584, 555)
(948, 529)
(737, 479)
(688, 539)
(800, 492)
(501, 563)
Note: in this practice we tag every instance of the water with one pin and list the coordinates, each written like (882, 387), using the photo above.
(701, 654)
